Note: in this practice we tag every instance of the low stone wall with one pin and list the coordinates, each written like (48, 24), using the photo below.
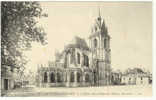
(66, 84)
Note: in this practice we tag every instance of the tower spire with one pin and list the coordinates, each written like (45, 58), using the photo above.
(99, 13)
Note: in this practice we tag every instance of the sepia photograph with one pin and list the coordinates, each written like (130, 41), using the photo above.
(76, 49)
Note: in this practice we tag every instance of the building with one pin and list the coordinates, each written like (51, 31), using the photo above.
(9, 75)
(7, 81)
(116, 78)
(135, 77)
(80, 64)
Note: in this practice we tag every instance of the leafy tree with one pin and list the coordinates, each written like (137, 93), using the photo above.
(18, 30)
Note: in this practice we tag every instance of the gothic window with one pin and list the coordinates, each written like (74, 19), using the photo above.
(78, 77)
(84, 60)
(52, 77)
(58, 77)
(95, 77)
(86, 78)
(71, 60)
(45, 77)
(112, 78)
(78, 58)
(72, 77)
(95, 43)
(87, 61)
(105, 43)
(68, 59)
(141, 78)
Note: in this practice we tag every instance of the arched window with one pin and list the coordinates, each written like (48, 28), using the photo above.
(78, 77)
(112, 78)
(95, 43)
(105, 43)
(58, 77)
(68, 59)
(71, 59)
(52, 78)
(95, 77)
(87, 61)
(45, 77)
(84, 60)
(78, 58)
(72, 77)
(87, 78)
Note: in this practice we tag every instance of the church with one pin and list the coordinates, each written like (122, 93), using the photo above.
(81, 64)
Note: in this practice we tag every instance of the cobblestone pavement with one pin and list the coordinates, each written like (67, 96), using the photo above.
(132, 90)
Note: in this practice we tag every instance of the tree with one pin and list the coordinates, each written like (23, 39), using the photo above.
(18, 30)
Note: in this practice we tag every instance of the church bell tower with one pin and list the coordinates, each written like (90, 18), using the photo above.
(100, 51)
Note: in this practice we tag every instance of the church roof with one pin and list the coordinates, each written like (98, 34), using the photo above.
(78, 42)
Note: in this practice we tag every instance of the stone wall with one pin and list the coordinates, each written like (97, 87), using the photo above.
(71, 77)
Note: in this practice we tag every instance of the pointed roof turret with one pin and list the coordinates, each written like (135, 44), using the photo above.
(99, 16)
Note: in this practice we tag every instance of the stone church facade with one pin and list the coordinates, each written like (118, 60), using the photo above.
(80, 64)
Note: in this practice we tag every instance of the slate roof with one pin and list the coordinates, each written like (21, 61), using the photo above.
(135, 71)
(78, 42)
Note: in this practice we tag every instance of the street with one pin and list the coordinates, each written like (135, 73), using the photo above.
(32, 91)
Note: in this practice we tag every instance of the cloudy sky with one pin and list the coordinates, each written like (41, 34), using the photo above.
(129, 25)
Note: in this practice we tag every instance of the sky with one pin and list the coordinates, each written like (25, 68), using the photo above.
(129, 25)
